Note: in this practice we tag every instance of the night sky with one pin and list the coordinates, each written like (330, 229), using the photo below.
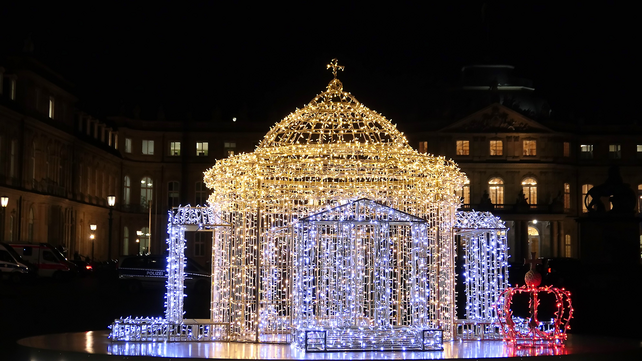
(258, 62)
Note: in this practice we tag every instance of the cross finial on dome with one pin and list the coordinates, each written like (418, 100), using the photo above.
(334, 64)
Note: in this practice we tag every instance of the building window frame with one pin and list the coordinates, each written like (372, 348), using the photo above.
(585, 188)
(586, 151)
(200, 194)
(462, 147)
(529, 147)
(496, 191)
(52, 108)
(173, 194)
(128, 145)
(147, 147)
(615, 151)
(202, 149)
(496, 147)
(229, 148)
(146, 192)
(567, 246)
(567, 196)
(174, 149)
(529, 187)
(567, 149)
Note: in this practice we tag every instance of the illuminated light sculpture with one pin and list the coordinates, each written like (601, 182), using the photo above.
(331, 152)
(173, 327)
(362, 280)
(485, 272)
(531, 332)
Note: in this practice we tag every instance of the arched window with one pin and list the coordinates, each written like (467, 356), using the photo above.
(33, 161)
(146, 189)
(127, 184)
(143, 241)
(172, 194)
(125, 241)
(567, 196)
(585, 189)
(200, 194)
(496, 192)
(464, 194)
(529, 187)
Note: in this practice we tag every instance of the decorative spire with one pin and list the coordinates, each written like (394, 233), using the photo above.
(334, 64)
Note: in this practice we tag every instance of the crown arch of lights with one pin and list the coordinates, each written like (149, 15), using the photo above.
(331, 152)
(482, 237)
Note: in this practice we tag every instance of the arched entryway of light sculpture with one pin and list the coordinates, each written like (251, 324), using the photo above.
(173, 327)
(362, 276)
(485, 272)
(330, 152)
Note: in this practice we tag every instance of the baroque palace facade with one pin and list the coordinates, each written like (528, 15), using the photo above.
(58, 164)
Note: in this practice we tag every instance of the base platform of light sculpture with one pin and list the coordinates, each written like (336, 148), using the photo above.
(95, 346)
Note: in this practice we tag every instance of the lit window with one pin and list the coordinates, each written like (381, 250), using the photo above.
(201, 149)
(496, 192)
(567, 149)
(230, 147)
(172, 194)
(148, 147)
(639, 151)
(585, 189)
(530, 148)
(496, 147)
(640, 198)
(586, 151)
(464, 194)
(200, 194)
(423, 147)
(52, 103)
(174, 148)
(463, 147)
(567, 245)
(615, 151)
(529, 187)
(126, 190)
(128, 145)
(146, 191)
(567, 196)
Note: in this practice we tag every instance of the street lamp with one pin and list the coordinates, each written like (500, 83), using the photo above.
(111, 200)
(93, 228)
(4, 201)
(138, 242)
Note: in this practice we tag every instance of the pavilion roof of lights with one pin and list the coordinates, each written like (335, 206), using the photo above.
(331, 151)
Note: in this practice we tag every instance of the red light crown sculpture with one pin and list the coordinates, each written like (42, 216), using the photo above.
(533, 332)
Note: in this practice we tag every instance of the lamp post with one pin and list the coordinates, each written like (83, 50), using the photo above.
(4, 201)
(93, 228)
(111, 200)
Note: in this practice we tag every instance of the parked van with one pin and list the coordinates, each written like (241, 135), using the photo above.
(12, 266)
(48, 261)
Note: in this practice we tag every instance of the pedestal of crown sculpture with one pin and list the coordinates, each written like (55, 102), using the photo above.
(610, 239)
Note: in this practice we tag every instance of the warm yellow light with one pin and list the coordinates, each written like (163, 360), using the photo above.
(93, 227)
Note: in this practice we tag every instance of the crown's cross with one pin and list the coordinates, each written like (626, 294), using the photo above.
(533, 261)
(334, 64)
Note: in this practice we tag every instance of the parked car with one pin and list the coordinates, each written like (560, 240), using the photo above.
(47, 260)
(12, 266)
(84, 268)
(150, 272)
